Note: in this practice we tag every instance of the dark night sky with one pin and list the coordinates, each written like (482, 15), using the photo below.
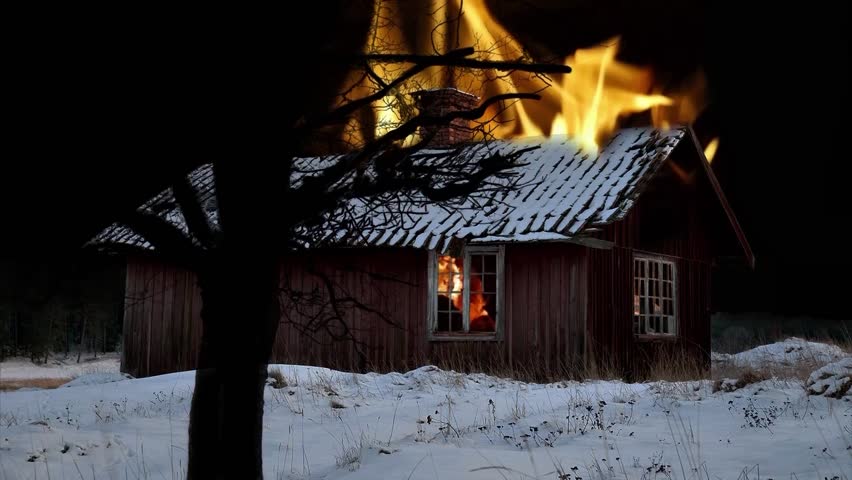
(112, 108)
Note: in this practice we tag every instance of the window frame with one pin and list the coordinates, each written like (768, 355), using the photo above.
(432, 300)
(675, 316)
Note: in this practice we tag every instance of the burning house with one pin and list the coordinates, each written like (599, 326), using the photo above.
(596, 248)
(589, 258)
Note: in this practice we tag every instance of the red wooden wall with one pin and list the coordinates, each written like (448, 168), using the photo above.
(544, 313)
(554, 293)
(565, 305)
(162, 327)
(611, 344)
(390, 281)
(546, 304)
(670, 220)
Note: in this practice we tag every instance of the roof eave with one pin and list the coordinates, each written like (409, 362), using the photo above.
(726, 206)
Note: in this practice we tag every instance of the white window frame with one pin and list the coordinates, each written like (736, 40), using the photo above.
(672, 319)
(432, 303)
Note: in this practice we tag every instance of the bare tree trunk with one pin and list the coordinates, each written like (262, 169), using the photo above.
(49, 342)
(67, 336)
(82, 335)
(239, 317)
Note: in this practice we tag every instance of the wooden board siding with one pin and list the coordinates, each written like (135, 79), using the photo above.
(545, 304)
(544, 308)
(161, 319)
(665, 223)
(162, 322)
(390, 281)
(670, 220)
(610, 309)
(554, 294)
(544, 313)
(611, 344)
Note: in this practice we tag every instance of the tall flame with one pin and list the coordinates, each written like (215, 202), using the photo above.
(710, 149)
(586, 104)
(449, 272)
(451, 280)
(598, 92)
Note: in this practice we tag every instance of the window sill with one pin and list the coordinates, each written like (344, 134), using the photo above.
(661, 338)
(463, 337)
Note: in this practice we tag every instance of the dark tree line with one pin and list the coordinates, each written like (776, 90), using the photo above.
(63, 306)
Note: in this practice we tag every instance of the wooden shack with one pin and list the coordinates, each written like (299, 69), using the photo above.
(594, 260)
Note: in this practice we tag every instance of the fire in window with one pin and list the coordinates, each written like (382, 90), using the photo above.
(466, 293)
(654, 297)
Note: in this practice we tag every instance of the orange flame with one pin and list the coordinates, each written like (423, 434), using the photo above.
(451, 280)
(586, 104)
(449, 272)
(480, 320)
(598, 92)
(710, 149)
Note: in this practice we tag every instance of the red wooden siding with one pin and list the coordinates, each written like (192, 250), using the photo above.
(545, 304)
(611, 344)
(610, 310)
(390, 281)
(544, 313)
(161, 319)
(564, 305)
(670, 220)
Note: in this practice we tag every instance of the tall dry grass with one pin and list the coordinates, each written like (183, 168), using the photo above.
(669, 365)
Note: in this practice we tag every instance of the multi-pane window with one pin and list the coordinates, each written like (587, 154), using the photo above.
(654, 308)
(465, 296)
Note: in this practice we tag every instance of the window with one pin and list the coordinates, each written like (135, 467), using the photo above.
(654, 304)
(466, 293)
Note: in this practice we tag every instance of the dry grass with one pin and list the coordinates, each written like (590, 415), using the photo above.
(743, 379)
(279, 381)
(798, 370)
(844, 343)
(674, 365)
(15, 384)
(671, 363)
(532, 370)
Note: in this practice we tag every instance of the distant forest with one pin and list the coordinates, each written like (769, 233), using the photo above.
(70, 305)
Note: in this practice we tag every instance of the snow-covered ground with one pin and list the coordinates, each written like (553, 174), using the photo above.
(433, 424)
(58, 367)
(786, 353)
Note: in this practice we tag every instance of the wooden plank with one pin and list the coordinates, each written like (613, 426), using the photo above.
(168, 363)
(155, 322)
(178, 301)
(144, 334)
(129, 337)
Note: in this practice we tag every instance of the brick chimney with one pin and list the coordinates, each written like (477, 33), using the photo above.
(441, 101)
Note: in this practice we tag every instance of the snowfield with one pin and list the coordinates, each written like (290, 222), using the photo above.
(434, 424)
(789, 352)
(20, 368)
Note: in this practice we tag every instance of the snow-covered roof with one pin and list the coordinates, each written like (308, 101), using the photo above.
(560, 190)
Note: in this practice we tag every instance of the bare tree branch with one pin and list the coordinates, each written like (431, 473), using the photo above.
(166, 238)
(306, 194)
(340, 113)
(453, 58)
(196, 220)
(326, 309)
(459, 60)
(422, 120)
